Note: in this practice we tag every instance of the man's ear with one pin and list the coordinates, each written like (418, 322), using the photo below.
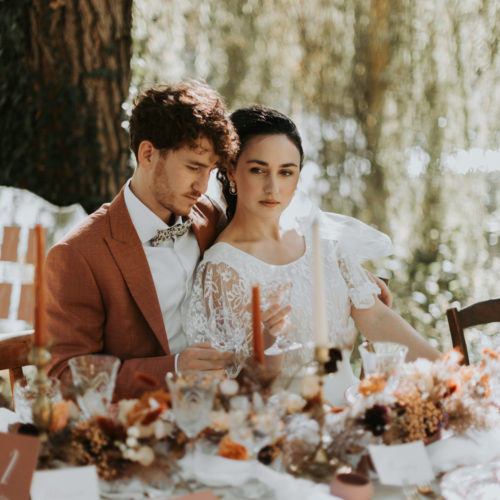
(145, 154)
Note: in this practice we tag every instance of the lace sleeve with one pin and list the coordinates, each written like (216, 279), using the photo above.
(219, 310)
(361, 288)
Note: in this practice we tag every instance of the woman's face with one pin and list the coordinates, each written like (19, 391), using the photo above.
(266, 175)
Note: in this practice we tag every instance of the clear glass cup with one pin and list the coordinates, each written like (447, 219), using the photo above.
(278, 292)
(193, 394)
(94, 377)
(253, 424)
(383, 358)
(25, 394)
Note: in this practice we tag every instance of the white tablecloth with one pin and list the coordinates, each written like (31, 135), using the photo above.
(216, 472)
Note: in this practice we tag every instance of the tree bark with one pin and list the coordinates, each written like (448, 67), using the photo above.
(79, 54)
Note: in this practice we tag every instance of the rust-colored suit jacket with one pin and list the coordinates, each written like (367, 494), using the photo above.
(101, 296)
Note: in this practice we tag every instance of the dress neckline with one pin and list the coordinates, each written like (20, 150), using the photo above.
(239, 250)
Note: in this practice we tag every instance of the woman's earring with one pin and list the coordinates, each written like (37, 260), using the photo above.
(232, 188)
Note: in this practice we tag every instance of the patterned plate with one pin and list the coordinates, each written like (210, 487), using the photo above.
(480, 482)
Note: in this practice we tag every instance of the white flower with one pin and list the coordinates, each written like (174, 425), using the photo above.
(229, 387)
(219, 420)
(309, 386)
(145, 455)
(294, 403)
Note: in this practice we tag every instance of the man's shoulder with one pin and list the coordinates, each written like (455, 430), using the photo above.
(91, 227)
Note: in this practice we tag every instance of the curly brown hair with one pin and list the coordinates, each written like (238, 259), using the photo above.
(175, 115)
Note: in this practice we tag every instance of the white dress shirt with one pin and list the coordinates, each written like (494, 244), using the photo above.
(172, 266)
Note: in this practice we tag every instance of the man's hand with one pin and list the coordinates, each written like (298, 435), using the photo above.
(203, 357)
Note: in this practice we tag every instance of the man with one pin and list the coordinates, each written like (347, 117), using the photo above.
(116, 284)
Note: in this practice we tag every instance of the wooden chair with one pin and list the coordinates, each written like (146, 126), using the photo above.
(14, 350)
(20, 211)
(480, 313)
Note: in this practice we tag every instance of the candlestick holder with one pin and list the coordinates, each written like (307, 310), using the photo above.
(42, 407)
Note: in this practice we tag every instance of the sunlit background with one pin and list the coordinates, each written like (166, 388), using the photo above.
(398, 103)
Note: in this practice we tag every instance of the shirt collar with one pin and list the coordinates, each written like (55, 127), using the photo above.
(145, 221)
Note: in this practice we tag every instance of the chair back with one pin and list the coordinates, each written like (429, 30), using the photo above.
(20, 212)
(14, 351)
(480, 313)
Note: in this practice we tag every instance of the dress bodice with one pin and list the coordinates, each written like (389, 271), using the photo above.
(220, 307)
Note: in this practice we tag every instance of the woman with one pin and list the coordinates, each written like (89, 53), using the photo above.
(255, 248)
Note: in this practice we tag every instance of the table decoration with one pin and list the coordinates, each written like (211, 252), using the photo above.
(320, 324)
(39, 355)
(143, 438)
(94, 377)
(258, 339)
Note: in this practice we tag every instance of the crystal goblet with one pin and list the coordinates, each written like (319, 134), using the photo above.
(25, 394)
(276, 292)
(94, 377)
(383, 358)
(193, 395)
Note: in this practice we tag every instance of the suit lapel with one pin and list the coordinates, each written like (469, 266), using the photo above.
(129, 255)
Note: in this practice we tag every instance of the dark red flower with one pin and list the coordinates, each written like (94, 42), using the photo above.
(376, 418)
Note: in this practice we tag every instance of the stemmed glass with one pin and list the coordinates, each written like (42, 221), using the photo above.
(193, 395)
(252, 424)
(94, 376)
(228, 333)
(277, 292)
(385, 359)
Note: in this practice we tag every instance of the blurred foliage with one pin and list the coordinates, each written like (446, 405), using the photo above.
(398, 104)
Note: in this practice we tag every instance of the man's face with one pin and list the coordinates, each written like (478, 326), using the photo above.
(179, 178)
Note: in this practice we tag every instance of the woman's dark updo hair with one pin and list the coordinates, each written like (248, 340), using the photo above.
(248, 123)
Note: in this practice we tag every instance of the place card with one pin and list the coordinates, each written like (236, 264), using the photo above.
(402, 464)
(77, 483)
(202, 495)
(18, 461)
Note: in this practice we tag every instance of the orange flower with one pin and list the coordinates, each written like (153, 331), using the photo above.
(466, 372)
(372, 385)
(485, 382)
(60, 413)
(229, 449)
(490, 353)
(453, 386)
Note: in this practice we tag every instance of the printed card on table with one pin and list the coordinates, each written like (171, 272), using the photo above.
(402, 464)
(18, 459)
(76, 483)
(202, 495)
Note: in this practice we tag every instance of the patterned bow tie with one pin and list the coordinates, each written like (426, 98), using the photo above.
(165, 234)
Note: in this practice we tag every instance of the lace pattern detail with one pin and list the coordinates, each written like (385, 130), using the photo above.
(219, 310)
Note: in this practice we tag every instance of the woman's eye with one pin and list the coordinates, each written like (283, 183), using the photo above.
(286, 173)
(255, 170)
(193, 168)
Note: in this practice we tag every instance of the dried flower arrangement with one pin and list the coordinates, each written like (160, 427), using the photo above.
(428, 397)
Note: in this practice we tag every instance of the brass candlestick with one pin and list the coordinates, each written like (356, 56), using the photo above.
(42, 407)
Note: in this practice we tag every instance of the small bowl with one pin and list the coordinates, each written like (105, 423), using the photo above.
(351, 486)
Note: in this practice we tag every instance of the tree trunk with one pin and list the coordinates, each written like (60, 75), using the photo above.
(373, 54)
(79, 57)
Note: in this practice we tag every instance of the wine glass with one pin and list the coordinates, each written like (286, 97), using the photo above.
(226, 332)
(94, 376)
(383, 358)
(193, 395)
(253, 423)
(277, 292)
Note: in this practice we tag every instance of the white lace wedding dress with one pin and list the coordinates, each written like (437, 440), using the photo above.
(219, 310)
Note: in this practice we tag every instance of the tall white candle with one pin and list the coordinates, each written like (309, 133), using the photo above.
(319, 309)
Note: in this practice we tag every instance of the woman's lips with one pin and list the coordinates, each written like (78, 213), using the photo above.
(269, 203)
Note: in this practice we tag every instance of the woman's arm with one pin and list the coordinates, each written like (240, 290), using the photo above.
(379, 323)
